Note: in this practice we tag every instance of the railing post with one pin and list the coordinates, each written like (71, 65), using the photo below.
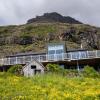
(55, 57)
(46, 57)
(16, 61)
(8, 61)
(62, 56)
(24, 60)
(96, 53)
(39, 58)
(80, 55)
(71, 55)
(31, 57)
(2, 61)
(87, 54)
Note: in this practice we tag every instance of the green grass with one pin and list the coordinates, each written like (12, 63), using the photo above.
(48, 87)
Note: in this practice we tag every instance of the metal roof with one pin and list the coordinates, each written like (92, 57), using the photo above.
(27, 54)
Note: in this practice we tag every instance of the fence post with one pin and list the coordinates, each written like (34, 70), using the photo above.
(8, 61)
(87, 54)
(71, 55)
(46, 58)
(16, 61)
(39, 58)
(31, 57)
(62, 56)
(96, 53)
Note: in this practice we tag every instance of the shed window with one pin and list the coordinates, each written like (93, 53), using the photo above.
(33, 67)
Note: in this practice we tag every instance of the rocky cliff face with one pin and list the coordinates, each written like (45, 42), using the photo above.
(53, 17)
(87, 38)
(86, 35)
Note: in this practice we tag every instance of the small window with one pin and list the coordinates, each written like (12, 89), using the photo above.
(33, 67)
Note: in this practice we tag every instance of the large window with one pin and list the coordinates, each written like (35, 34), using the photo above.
(55, 49)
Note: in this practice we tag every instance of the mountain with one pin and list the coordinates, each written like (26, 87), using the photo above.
(33, 37)
(54, 17)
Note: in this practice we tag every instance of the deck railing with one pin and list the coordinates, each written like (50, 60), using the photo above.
(51, 58)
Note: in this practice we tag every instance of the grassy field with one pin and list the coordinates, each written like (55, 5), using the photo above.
(48, 87)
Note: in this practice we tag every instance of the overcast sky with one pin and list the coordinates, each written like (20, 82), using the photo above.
(19, 11)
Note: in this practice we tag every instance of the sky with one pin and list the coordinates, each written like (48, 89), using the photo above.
(14, 12)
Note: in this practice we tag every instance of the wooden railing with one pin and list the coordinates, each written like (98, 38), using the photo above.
(51, 58)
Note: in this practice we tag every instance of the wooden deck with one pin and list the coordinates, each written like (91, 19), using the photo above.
(64, 57)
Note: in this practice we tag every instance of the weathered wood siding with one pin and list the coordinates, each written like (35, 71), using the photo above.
(28, 71)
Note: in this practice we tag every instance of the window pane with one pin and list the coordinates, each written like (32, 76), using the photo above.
(83, 54)
(55, 47)
(75, 55)
(51, 52)
(59, 51)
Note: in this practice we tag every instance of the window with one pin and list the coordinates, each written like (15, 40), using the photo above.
(55, 49)
(33, 67)
(59, 51)
(51, 52)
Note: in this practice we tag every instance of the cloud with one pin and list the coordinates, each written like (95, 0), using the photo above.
(19, 11)
(86, 11)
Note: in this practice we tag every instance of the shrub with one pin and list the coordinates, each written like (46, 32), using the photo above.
(90, 72)
(16, 69)
(25, 39)
(28, 28)
(52, 67)
(55, 68)
(72, 73)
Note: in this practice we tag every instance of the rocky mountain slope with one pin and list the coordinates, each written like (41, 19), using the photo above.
(54, 17)
(33, 37)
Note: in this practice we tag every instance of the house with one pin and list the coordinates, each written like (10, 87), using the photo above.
(57, 53)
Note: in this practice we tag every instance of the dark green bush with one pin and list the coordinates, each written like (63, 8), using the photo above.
(25, 39)
(52, 67)
(90, 72)
(16, 69)
(86, 72)
(72, 72)
(28, 28)
(55, 68)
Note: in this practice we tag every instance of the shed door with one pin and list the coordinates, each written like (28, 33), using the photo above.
(37, 71)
